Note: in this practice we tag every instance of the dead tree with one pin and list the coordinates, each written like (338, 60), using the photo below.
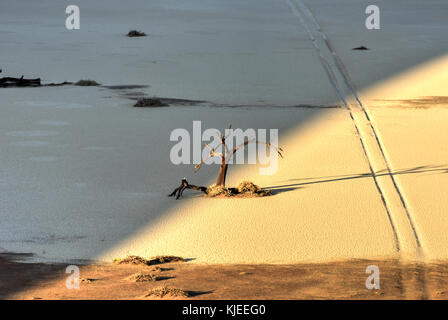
(19, 82)
(223, 167)
(227, 155)
(178, 192)
(7, 82)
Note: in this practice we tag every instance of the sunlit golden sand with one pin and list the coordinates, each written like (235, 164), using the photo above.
(316, 213)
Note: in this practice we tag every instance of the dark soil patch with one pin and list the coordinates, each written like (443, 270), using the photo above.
(87, 83)
(150, 102)
(135, 33)
(361, 48)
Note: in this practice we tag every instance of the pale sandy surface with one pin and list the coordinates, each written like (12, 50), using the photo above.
(323, 208)
(228, 52)
(81, 169)
(411, 113)
(328, 206)
(330, 280)
(85, 176)
(402, 83)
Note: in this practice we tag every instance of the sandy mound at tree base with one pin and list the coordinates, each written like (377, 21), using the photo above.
(246, 189)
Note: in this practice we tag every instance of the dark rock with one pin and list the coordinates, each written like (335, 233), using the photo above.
(361, 48)
(135, 33)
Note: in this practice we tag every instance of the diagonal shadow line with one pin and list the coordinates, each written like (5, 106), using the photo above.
(440, 169)
(435, 50)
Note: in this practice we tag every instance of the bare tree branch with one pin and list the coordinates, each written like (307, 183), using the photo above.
(245, 143)
(178, 192)
(211, 155)
(227, 154)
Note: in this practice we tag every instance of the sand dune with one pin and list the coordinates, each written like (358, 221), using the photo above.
(80, 179)
(328, 206)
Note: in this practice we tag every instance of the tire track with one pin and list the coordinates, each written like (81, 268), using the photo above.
(350, 85)
(407, 240)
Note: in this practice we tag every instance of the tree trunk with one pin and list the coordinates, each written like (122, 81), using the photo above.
(221, 181)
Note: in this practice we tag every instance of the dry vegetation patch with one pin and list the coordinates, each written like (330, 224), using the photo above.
(136, 33)
(87, 83)
(164, 291)
(166, 259)
(153, 261)
(418, 103)
(215, 191)
(246, 189)
(143, 277)
(132, 260)
(150, 102)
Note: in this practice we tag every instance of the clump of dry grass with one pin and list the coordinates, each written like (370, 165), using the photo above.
(131, 260)
(246, 189)
(142, 277)
(166, 259)
(150, 102)
(249, 188)
(86, 83)
(135, 33)
(167, 291)
(214, 191)
(141, 261)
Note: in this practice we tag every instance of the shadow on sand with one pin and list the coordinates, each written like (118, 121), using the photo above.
(430, 169)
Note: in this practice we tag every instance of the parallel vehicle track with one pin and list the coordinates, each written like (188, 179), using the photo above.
(407, 240)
